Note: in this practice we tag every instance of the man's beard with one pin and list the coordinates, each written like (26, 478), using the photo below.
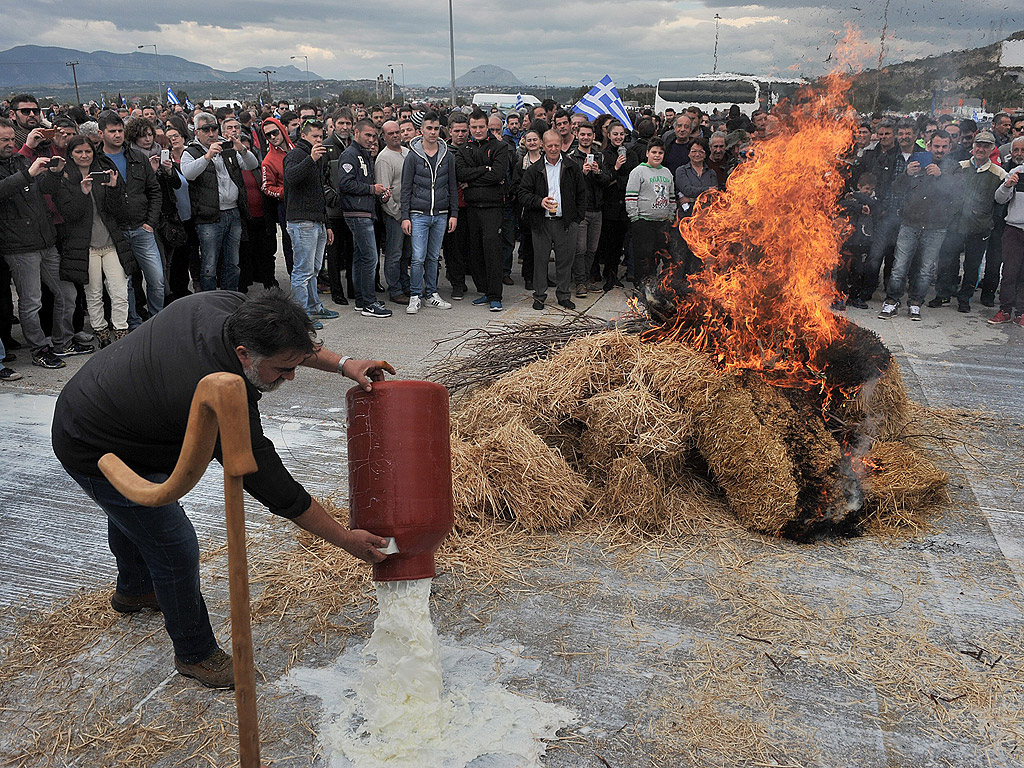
(252, 373)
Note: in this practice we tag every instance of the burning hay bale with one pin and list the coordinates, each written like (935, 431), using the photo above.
(611, 426)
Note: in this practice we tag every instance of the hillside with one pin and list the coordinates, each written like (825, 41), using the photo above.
(976, 73)
(488, 75)
(32, 65)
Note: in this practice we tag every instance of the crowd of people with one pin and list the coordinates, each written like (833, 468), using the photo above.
(112, 214)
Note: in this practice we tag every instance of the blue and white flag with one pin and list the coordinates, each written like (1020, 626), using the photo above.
(189, 104)
(103, 101)
(520, 104)
(603, 99)
(171, 98)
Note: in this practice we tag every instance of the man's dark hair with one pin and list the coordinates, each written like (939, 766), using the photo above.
(287, 116)
(887, 123)
(5, 123)
(585, 124)
(563, 113)
(78, 115)
(430, 116)
(377, 109)
(941, 134)
(656, 142)
(362, 125)
(867, 178)
(309, 125)
(549, 105)
(221, 112)
(403, 121)
(307, 105)
(478, 114)
(457, 117)
(22, 98)
(645, 128)
(245, 117)
(269, 324)
(540, 126)
(341, 112)
(110, 117)
(907, 124)
(968, 125)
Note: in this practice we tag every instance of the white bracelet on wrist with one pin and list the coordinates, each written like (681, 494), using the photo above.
(341, 364)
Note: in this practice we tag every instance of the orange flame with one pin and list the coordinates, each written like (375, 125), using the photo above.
(770, 248)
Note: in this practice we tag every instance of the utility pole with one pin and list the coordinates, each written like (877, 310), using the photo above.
(451, 42)
(718, 22)
(392, 68)
(156, 54)
(268, 73)
(302, 56)
(74, 74)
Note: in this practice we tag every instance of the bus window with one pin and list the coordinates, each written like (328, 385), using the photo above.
(700, 92)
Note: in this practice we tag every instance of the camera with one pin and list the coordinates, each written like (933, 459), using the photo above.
(226, 143)
(53, 163)
(101, 176)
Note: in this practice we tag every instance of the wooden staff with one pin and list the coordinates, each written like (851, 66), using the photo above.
(220, 403)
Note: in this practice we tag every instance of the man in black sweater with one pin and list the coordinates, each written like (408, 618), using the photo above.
(482, 164)
(306, 185)
(133, 400)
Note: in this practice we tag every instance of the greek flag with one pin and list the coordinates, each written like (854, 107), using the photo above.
(520, 104)
(603, 99)
(103, 101)
(171, 98)
(189, 104)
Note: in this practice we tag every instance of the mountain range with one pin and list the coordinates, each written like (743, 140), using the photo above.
(488, 75)
(34, 65)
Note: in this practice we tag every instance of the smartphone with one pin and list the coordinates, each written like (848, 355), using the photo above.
(226, 143)
(48, 133)
(590, 158)
(165, 155)
(101, 176)
(924, 158)
(622, 150)
(54, 162)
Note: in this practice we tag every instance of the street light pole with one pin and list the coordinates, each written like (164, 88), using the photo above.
(268, 73)
(403, 79)
(156, 54)
(392, 68)
(451, 43)
(74, 74)
(545, 77)
(718, 21)
(301, 56)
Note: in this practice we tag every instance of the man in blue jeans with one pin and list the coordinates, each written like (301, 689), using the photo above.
(213, 166)
(141, 214)
(305, 169)
(133, 400)
(430, 205)
(358, 193)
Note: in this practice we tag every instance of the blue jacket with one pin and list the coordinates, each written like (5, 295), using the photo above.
(356, 182)
(427, 189)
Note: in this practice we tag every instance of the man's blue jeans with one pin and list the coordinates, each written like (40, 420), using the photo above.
(147, 254)
(218, 248)
(427, 236)
(156, 550)
(397, 257)
(364, 259)
(309, 239)
(908, 241)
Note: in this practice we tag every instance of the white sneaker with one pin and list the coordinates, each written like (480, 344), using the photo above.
(888, 310)
(435, 300)
(915, 312)
(414, 305)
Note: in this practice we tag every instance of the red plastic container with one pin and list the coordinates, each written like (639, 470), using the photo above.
(400, 472)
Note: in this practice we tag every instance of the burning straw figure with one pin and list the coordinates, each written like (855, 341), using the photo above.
(743, 384)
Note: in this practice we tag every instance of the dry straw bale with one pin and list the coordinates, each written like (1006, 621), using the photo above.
(902, 485)
(530, 482)
(882, 407)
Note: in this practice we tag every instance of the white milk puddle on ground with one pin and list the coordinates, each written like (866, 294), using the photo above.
(403, 701)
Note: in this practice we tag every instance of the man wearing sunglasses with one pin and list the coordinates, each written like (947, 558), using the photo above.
(27, 117)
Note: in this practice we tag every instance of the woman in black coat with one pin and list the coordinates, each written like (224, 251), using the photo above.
(94, 247)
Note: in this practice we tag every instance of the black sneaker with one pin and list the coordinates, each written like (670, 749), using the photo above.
(458, 294)
(857, 303)
(963, 307)
(988, 299)
(73, 348)
(377, 309)
(133, 603)
(45, 358)
(567, 304)
(538, 304)
(938, 302)
(8, 374)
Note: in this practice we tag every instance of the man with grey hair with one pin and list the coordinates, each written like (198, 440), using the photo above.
(213, 166)
(1011, 192)
(718, 157)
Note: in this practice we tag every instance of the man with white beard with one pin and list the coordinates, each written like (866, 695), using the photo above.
(135, 404)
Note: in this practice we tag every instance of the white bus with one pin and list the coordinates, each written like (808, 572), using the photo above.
(503, 101)
(721, 91)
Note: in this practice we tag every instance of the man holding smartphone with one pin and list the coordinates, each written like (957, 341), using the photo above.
(595, 178)
(213, 165)
(1011, 192)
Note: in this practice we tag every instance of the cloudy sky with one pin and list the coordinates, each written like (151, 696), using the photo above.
(567, 42)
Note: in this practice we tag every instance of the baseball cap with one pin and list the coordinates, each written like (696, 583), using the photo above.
(984, 137)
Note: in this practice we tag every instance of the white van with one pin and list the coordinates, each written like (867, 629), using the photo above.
(503, 101)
